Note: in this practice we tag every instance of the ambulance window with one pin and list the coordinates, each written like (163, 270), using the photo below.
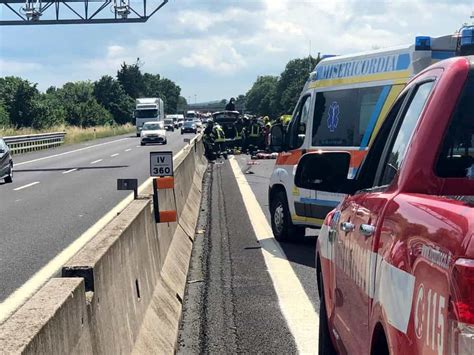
(457, 153)
(342, 117)
(403, 135)
(299, 122)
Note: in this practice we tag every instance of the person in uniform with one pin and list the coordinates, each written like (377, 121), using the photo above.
(219, 139)
(208, 140)
(255, 135)
(231, 105)
(239, 132)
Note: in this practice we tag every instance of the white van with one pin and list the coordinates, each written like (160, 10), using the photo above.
(341, 108)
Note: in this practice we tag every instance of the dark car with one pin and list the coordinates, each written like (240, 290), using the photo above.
(169, 124)
(189, 126)
(227, 119)
(6, 162)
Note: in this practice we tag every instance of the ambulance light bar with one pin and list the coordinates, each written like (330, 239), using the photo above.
(422, 43)
(466, 41)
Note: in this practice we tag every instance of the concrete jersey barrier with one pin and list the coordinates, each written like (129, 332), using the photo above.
(122, 292)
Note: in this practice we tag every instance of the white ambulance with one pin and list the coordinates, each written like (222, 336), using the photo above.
(341, 108)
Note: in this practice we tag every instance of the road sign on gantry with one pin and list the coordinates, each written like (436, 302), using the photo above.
(161, 164)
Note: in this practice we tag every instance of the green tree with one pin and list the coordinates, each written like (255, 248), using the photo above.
(167, 90)
(92, 113)
(131, 79)
(240, 103)
(260, 99)
(291, 83)
(82, 108)
(182, 104)
(151, 85)
(4, 117)
(170, 93)
(48, 111)
(111, 95)
(18, 96)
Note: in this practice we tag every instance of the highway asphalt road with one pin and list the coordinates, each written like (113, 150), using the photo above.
(57, 194)
(246, 292)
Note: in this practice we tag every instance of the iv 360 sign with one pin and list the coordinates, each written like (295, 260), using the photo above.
(161, 163)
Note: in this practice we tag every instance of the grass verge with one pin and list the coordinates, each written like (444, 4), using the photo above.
(74, 134)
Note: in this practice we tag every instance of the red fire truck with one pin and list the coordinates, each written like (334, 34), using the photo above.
(395, 259)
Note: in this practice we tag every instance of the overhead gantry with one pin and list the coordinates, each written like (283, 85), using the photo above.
(64, 12)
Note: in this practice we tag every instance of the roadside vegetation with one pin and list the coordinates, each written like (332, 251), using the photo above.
(74, 134)
(272, 95)
(278, 95)
(108, 102)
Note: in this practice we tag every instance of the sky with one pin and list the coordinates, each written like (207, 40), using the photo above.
(215, 49)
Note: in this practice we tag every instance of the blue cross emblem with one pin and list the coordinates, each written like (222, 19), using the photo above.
(333, 116)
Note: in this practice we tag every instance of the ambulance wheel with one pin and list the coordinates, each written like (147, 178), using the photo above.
(326, 346)
(282, 227)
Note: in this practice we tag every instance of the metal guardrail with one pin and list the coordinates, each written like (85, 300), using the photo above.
(32, 142)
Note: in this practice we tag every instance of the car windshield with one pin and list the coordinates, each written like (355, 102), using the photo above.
(151, 126)
(169, 121)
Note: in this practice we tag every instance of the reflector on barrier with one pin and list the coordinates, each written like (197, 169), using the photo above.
(165, 183)
(167, 216)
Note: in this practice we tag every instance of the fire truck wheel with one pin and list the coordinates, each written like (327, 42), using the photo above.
(326, 346)
(282, 227)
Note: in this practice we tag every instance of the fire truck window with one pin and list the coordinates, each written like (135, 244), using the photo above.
(342, 117)
(405, 131)
(457, 153)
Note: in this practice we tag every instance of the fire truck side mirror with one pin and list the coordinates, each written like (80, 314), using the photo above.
(325, 171)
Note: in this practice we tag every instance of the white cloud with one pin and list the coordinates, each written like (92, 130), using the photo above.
(216, 54)
(198, 42)
(13, 67)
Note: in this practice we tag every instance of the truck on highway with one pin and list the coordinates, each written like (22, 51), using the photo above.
(341, 107)
(147, 110)
(395, 258)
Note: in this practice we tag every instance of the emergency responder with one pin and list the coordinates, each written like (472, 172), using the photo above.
(245, 133)
(266, 130)
(239, 132)
(255, 135)
(208, 140)
(285, 120)
(219, 140)
(231, 105)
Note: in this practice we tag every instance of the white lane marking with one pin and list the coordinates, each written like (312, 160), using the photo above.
(70, 152)
(69, 171)
(96, 161)
(25, 186)
(114, 155)
(295, 305)
(129, 149)
(25, 291)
